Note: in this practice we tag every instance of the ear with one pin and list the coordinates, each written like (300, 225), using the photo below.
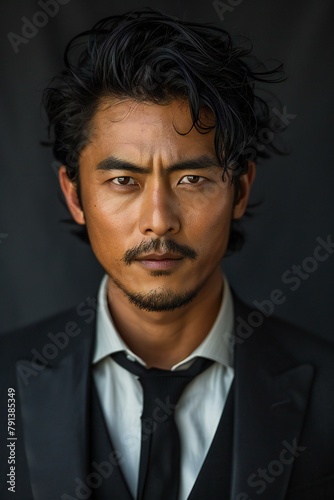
(69, 190)
(245, 184)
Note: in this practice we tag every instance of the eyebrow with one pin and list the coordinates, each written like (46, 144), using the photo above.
(199, 163)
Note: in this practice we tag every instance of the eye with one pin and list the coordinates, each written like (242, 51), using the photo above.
(123, 181)
(191, 179)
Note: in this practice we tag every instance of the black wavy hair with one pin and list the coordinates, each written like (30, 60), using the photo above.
(148, 56)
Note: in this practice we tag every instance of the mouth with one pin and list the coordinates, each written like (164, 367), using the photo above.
(156, 261)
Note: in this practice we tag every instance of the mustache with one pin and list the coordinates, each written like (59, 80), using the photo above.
(158, 245)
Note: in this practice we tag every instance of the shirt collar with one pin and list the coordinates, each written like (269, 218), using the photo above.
(217, 345)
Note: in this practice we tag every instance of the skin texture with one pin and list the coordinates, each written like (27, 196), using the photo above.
(163, 310)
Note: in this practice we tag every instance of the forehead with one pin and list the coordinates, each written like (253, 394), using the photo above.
(143, 131)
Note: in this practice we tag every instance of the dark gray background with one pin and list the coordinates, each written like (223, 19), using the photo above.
(44, 269)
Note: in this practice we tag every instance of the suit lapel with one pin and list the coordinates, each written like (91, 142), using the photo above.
(54, 407)
(271, 396)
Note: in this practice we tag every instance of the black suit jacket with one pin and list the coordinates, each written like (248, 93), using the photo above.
(283, 419)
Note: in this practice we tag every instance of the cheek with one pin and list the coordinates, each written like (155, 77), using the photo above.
(105, 213)
(208, 219)
(108, 230)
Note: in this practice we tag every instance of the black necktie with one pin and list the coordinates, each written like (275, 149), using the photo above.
(159, 470)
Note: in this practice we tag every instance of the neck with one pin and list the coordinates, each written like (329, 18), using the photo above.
(163, 339)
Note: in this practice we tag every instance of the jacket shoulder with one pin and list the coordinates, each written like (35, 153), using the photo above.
(55, 330)
(253, 325)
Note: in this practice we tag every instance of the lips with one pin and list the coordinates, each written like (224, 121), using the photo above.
(158, 261)
(161, 256)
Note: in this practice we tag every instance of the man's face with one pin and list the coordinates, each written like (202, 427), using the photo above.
(157, 211)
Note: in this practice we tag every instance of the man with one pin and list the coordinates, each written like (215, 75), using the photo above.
(171, 388)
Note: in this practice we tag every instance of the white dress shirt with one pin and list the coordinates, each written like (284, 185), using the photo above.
(200, 406)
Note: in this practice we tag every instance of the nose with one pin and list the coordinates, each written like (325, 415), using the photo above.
(159, 211)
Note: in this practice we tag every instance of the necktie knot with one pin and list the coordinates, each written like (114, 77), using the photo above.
(162, 393)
